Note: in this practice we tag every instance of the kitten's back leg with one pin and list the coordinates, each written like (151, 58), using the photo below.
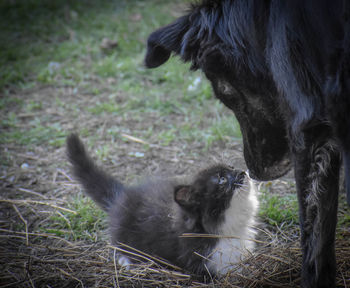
(101, 187)
(124, 261)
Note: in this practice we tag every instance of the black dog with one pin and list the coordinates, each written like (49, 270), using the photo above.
(283, 68)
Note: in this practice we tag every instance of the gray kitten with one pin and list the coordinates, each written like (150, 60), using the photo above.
(153, 215)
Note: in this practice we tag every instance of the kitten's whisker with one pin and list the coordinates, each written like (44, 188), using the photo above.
(243, 189)
(243, 185)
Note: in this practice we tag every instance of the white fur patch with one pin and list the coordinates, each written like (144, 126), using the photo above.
(238, 224)
(124, 262)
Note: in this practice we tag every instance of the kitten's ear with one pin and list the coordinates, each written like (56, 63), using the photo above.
(183, 195)
(165, 40)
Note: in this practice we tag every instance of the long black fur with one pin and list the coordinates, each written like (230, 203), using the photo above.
(283, 67)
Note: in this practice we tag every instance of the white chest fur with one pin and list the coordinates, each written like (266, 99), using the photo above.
(238, 224)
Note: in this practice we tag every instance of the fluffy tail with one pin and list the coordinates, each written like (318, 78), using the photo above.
(102, 188)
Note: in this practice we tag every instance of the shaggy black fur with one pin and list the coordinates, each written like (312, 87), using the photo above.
(283, 68)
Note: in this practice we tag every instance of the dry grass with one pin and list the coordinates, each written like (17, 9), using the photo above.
(45, 260)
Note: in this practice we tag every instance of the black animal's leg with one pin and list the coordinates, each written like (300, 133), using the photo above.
(317, 177)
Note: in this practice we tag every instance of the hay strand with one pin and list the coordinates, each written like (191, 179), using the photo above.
(57, 262)
(24, 222)
(31, 202)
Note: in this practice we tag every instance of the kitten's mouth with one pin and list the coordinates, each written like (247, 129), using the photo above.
(238, 180)
(248, 178)
(248, 182)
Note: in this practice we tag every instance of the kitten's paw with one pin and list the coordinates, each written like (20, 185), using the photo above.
(124, 262)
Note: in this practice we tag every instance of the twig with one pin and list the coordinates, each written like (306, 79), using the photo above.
(146, 256)
(115, 267)
(28, 156)
(140, 141)
(30, 280)
(34, 114)
(135, 139)
(276, 258)
(143, 255)
(32, 192)
(27, 202)
(35, 234)
(67, 274)
(172, 273)
(24, 221)
(64, 174)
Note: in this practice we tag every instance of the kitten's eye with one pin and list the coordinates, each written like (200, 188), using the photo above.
(222, 180)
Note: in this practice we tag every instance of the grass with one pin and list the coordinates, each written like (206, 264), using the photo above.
(60, 42)
(279, 211)
(106, 107)
(59, 45)
(37, 133)
(344, 212)
(87, 224)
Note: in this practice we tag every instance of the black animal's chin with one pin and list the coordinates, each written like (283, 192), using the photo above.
(266, 152)
(263, 173)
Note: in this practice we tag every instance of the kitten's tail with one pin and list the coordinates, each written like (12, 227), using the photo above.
(102, 188)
